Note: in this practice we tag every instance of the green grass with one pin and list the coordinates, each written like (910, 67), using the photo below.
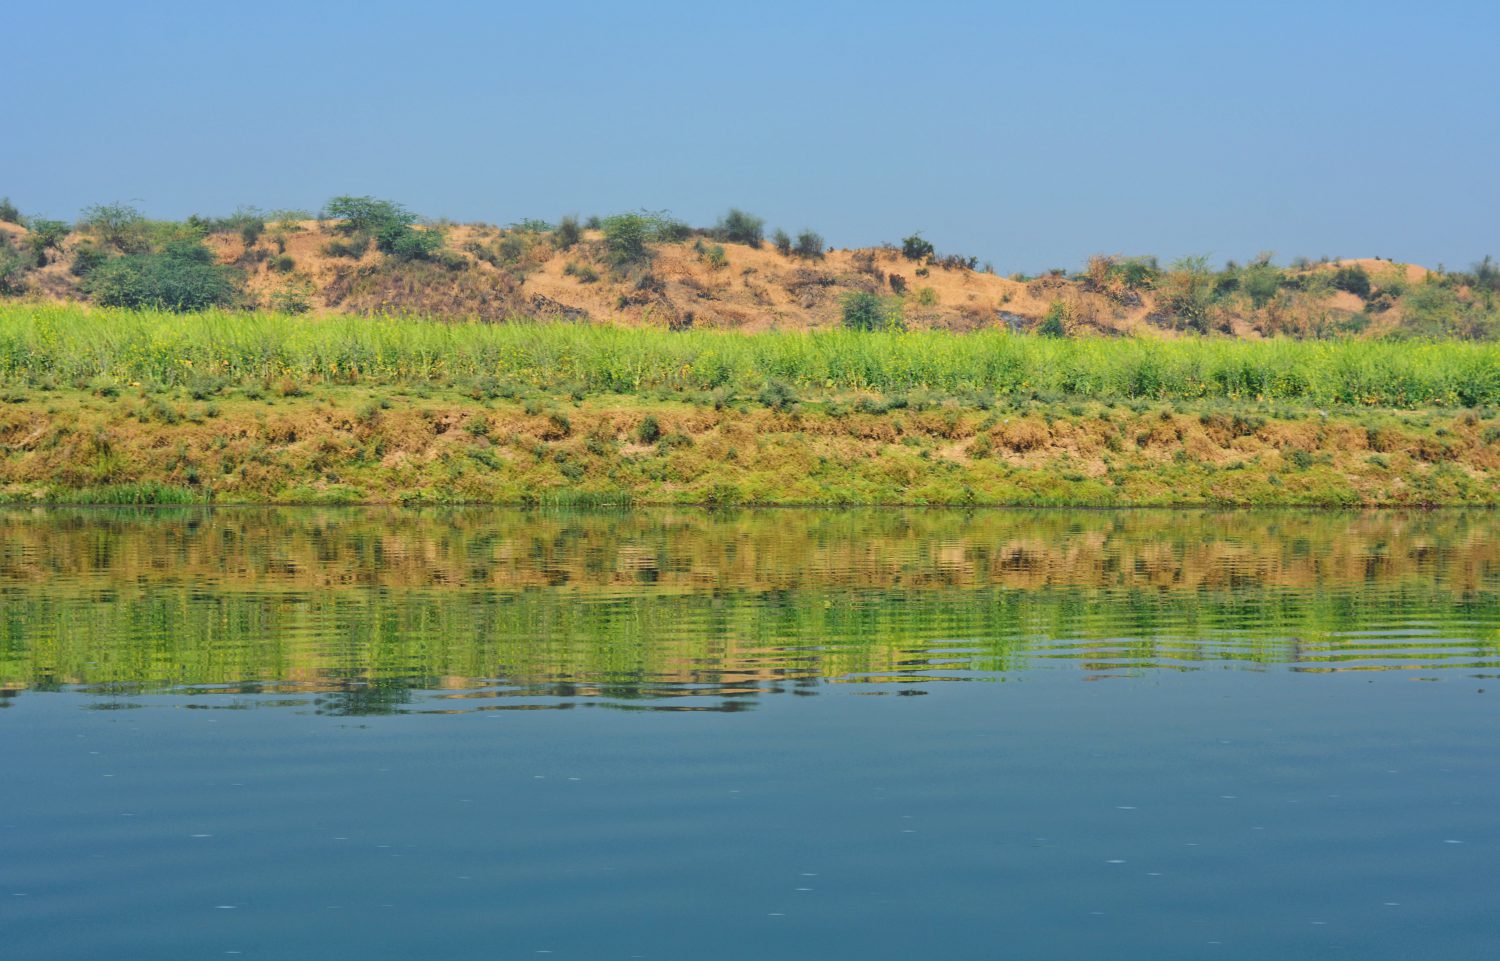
(70, 345)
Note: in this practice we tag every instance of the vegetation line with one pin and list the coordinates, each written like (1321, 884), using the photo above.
(68, 345)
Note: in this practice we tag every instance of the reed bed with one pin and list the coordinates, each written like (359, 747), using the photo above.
(66, 345)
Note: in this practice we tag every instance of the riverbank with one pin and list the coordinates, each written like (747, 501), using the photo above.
(223, 407)
(332, 443)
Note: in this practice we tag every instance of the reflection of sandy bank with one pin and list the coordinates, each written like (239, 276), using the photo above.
(284, 550)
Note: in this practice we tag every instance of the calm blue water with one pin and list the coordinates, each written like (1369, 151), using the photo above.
(811, 764)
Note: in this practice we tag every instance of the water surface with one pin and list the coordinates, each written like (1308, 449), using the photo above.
(793, 734)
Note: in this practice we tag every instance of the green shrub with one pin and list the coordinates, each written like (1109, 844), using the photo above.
(809, 245)
(568, 233)
(367, 215)
(117, 225)
(866, 311)
(1261, 281)
(450, 260)
(353, 248)
(251, 230)
(405, 242)
(1056, 321)
(9, 213)
(778, 395)
(713, 255)
(927, 297)
(916, 247)
(86, 257)
(1188, 291)
(184, 277)
(294, 298)
(782, 242)
(46, 235)
(625, 240)
(649, 430)
(738, 227)
(1485, 275)
(1353, 279)
(1137, 273)
(13, 269)
(584, 273)
(281, 264)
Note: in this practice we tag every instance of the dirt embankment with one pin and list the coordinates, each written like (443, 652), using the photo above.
(493, 273)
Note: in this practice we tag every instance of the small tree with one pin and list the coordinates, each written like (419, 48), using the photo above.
(1056, 321)
(407, 243)
(916, 247)
(1487, 275)
(118, 225)
(866, 311)
(1188, 292)
(1261, 281)
(1353, 279)
(625, 239)
(13, 268)
(738, 227)
(367, 215)
(182, 277)
(782, 242)
(46, 235)
(568, 233)
(9, 213)
(809, 245)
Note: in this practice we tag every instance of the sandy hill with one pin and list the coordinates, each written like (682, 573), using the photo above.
(493, 273)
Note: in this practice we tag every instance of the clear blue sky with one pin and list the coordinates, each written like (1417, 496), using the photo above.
(1030, 136)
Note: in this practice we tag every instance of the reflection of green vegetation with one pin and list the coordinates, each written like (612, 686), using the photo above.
(370, 605)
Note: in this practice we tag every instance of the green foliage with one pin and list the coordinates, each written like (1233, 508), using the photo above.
(648, 431)
(1354, 279)
(568, 233)
(916, 247)
(13, 269)
(353, 248)
(1261, 281)
(809, 245)
(183, 277)
(1433, 310)
(625, 240)
(1188, 291)
(865, 311)
(9, 213)
(46, 235)
(1137, 273)
(294, 298)
(778, 395)
(782, 241)
(584, 273)
(86, 257)
(367, 215)
(738, 227)
(117, 225)
(251, 230)
(1056, 321)
(1485, 276)
(404, 242)
(67, 343)
(713, 255)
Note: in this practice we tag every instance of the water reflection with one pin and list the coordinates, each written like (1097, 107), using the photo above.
(358, 612)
